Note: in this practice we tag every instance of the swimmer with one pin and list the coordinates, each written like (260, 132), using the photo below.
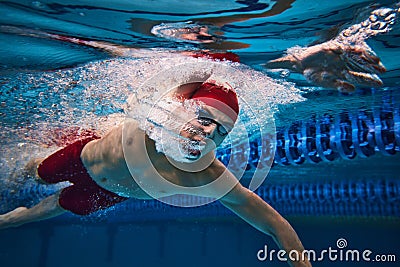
(100, 176)
(343, 63)
(335, 64)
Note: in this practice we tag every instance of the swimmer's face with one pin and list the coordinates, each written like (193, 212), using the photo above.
(202, 135)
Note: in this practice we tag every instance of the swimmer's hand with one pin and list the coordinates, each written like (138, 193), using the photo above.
(334, 65)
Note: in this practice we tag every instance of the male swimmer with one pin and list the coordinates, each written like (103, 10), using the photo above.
(100, 177)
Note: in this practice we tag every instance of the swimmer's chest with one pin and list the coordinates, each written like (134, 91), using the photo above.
(164, 179)
(153, 172)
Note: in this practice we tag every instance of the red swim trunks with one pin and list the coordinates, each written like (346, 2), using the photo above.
(84, 196)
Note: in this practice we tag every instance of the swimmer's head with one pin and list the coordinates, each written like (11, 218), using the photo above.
(217, 116)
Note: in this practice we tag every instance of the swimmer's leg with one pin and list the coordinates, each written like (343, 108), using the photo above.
(46, 209)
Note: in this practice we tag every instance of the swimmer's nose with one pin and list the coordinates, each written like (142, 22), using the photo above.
(198, 138)
(209, 130)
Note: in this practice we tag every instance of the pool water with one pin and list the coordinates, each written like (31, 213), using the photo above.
(71, 66)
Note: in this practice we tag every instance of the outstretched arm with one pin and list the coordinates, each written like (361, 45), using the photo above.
(345, 61)
(334, 65)
(251, 208)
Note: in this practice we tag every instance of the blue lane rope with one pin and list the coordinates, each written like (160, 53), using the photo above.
(346, 135)
(368, 197)
(356, 197)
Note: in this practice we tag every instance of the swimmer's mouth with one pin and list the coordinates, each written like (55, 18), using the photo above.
(193, 154)
(193, 150)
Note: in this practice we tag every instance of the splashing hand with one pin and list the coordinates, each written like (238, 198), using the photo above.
(334, 65)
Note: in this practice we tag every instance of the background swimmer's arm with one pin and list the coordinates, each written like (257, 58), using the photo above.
(334, 65)
(346, 60)
(251, 208)
(112, 49)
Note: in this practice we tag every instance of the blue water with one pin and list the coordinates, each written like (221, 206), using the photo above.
(49, 84)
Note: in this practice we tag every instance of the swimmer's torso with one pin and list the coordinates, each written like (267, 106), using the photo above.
(107, 164)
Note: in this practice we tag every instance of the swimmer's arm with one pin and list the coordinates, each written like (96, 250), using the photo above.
(251, 208)
(334, 65)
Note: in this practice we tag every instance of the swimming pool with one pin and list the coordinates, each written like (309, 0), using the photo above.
(347, 189)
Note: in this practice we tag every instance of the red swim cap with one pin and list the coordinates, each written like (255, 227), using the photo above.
(219, 103)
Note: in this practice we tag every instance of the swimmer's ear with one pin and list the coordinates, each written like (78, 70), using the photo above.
(185, 91)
